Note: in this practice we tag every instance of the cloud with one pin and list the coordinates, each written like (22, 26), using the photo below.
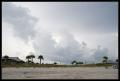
(81, 17)
(67, 50)
(19, 17)
(46, 45)
(13, 46)
(55, 36)
(100, 53)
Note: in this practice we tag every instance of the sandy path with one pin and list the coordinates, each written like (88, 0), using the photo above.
(60, 73)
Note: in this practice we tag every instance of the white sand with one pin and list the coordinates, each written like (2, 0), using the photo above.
(60, 73)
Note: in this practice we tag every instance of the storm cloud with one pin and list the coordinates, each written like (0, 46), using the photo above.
(19, 17)
(61, 32)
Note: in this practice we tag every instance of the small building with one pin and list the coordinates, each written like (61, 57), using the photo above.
(13, 60)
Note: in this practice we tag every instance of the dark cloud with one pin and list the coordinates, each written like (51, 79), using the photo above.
(93, 19)
(19, 17)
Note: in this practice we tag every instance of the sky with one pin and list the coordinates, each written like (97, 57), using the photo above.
(60, 31)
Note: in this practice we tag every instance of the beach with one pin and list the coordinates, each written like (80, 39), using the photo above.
(59, 73)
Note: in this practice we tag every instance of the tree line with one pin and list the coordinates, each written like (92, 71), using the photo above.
(40, 57)
(30, 58)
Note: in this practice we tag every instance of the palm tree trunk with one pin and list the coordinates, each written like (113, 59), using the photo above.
(28, 60)
(106, 64)
(5, 60)
(32, 60)
(40, 61)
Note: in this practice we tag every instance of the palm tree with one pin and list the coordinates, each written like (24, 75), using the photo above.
(55, 63)
(40, 57)
(116, 60)
(28, 57)
(32, 56)
(117, 63)
(105, 59)
(74, 62)
(6, 58)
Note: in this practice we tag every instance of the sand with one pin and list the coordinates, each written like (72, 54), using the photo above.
(60, 73)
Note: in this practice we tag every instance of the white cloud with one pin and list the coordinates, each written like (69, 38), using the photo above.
(60, 34)
(12, 45)
(19, 17)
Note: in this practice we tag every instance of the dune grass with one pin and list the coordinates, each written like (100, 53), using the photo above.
(53, 65)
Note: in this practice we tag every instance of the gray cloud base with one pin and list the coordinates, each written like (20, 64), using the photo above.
(22, 22)
(67, 50)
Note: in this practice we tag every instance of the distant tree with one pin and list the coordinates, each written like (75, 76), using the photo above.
(30, 61)
(6, 58)
(116, 60)
(21, 62)
(74, 62)
(32, 56)
(79, 62)
(55, 63)
(116, 64)
(28, 57)
(105, 59)
(40, 57)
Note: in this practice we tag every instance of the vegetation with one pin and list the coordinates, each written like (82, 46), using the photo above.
(32, 56)
(6, 58)
(105, 61)
(79, 62)
(28, 57)
(116, 60)
(55, 63)
(40, 57)
(30, 63)
(75, 62)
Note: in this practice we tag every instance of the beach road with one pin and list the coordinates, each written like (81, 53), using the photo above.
(60, 73)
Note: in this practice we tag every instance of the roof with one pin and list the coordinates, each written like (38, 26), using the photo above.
(14, 58)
